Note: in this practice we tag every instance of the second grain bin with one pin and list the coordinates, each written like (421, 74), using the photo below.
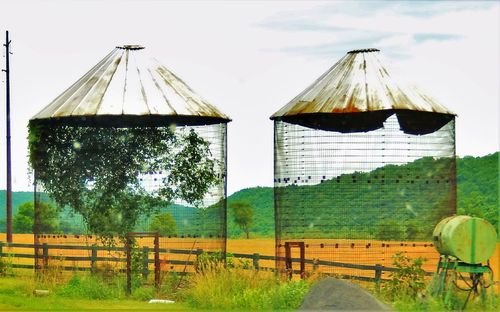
(364, 168)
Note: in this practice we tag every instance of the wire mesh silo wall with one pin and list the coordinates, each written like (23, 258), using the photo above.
(356, 199)
(188, 219)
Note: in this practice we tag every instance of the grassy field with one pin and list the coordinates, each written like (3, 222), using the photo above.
(16, 293)
(215, 289)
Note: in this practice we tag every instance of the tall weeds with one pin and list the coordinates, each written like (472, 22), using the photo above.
(237, 288)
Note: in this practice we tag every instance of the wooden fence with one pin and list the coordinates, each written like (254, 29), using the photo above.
(93, 259)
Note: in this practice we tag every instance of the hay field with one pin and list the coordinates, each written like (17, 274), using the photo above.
(352, 251)
(344, 251)
(114, 259)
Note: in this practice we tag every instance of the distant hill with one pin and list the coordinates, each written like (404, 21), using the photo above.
(478, 189)
(477, 195)
(17, 199)
(262, 200)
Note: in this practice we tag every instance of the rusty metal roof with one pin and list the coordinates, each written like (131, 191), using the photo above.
(126, 85)
(359, 82)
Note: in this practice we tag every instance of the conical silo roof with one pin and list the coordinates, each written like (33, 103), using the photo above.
(358, 94)
(125, 89)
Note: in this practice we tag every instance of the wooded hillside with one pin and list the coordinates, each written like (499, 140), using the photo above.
(478, 190)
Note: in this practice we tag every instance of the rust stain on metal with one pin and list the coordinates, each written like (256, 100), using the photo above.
(359, 82)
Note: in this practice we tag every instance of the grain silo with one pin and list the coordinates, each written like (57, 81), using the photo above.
(364, 167)
(130, 149)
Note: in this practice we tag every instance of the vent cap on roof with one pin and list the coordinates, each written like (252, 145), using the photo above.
(364, 50)
(131, 47)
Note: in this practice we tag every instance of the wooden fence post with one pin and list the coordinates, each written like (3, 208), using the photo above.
(93, 259)
(145, 262)
(255, 260)
(128, 248)
(45, 252)
(157, 261)
(378, 275)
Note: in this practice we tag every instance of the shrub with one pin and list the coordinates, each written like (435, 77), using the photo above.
(5, 266)
(408, 281)
(91, 287)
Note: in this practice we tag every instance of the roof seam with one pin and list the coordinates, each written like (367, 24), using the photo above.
(144, 96)
(125, 84)
(98, 107)
(83, 81)
(54, 102)
(93, 87)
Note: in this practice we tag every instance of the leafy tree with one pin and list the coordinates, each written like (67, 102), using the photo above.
(164, 224)
(243, 216)
(23, 221)
(96, 171)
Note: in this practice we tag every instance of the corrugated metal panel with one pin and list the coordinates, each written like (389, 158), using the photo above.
(359, 82)
(126, 83)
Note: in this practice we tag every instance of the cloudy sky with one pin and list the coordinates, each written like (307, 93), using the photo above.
(250, 58)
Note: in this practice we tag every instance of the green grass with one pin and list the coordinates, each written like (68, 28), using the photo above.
(425, 301)
(16, 293)
(433, 304)
(239, 289)
(214, 289)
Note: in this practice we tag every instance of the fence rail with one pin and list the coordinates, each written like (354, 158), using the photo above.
(93, 259)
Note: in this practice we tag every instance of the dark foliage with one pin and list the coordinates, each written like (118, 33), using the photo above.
(96, 171)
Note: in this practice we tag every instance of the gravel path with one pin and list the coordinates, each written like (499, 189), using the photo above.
(331, 294)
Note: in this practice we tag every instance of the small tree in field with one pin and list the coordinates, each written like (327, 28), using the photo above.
(164, 224)
(25, 216)
(243, 216)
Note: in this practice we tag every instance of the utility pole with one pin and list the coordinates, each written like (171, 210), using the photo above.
(9, 171)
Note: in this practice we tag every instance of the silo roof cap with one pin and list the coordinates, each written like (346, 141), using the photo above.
(358, 94)
(359, 82)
